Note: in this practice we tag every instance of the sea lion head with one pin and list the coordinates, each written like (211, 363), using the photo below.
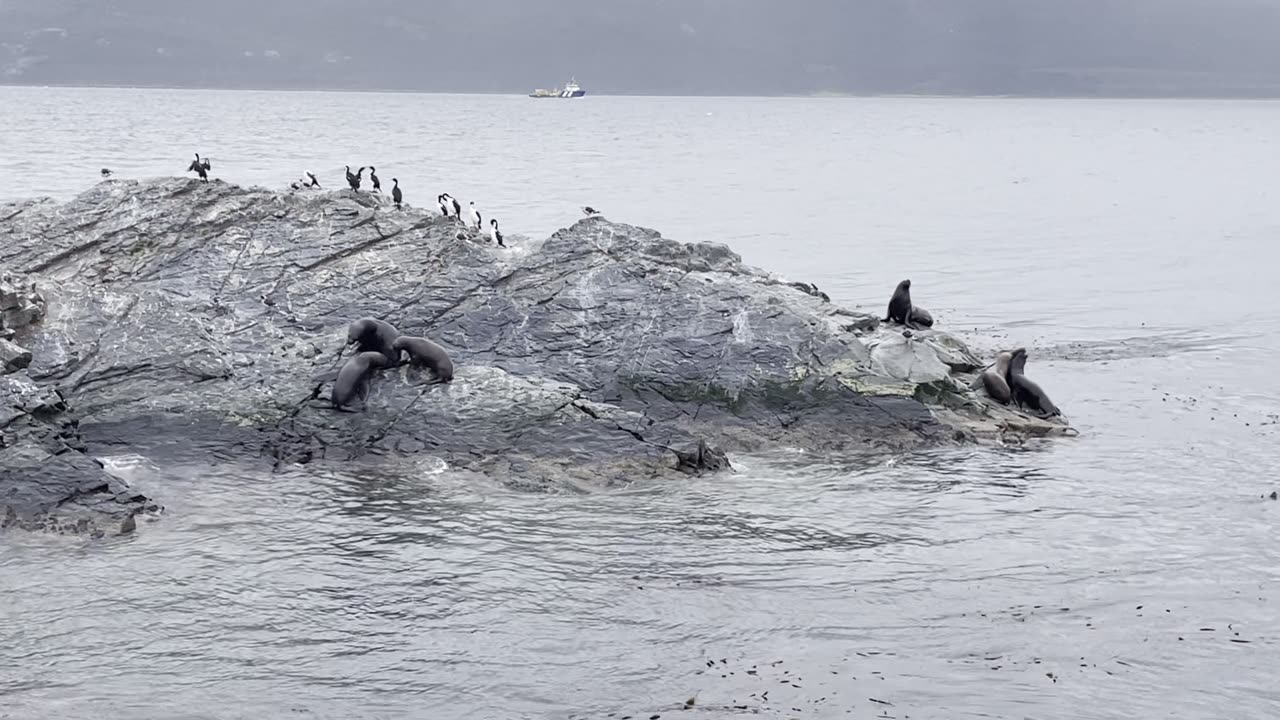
(1018, 361)
(357, 330)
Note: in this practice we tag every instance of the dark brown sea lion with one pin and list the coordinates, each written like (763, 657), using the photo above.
(900, 305)
(921, 317)
(995, 379)
(424, 353)
(353, 379)
(1026, 394)
(372, 335)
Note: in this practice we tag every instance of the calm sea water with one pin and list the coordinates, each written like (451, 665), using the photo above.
(1130, 572)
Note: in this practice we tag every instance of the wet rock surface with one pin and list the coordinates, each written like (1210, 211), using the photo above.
(13, 357)
(179, 318)
(47, 482)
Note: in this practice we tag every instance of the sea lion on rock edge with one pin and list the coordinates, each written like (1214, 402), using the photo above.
(424, 353)
(353, 379)
(372, 335)
(995, 379)
(900, 305)
(1026, 394)
(921, 317)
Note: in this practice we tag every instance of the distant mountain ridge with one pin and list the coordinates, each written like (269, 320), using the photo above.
(1019, 47)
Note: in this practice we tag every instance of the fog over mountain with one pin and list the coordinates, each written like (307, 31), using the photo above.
(1036, 47)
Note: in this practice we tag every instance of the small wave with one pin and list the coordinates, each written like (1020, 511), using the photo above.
(127, 464)
(1158, 345)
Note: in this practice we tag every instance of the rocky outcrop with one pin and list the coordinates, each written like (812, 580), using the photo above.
(46, 480)
(186, 318)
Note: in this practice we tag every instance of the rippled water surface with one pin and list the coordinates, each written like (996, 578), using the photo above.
(1130, 572)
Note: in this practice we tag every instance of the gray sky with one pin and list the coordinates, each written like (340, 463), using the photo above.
(1041, 47)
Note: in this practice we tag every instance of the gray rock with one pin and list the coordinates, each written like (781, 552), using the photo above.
(910, 359)
(951, 351)
(20, 303)
(18, 392)
(185, 312)
(13, 357)
(65, 493)
(46, 480)
(10, 293)
(702, 459)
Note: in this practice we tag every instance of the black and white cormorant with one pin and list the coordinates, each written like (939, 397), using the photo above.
(396, 195)
(495, 234)
(313, 181)
(589, 211)
(106, 172)
(377, 184)
(444, 206)
(475, 216)
(353, 179)
(200, 167)
(457, 207)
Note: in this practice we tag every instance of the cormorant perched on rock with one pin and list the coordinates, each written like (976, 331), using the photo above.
(589, 211)
(475, 215)
(444, 206)
(200, 167)
(353, 179)
(106, 172)
(396, 195)
(377, 184)
(494, 233)
(308, 181)
(457, 207)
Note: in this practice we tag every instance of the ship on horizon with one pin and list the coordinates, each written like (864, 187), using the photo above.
(570, 90)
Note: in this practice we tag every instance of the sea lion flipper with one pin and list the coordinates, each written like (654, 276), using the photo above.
(333, 407)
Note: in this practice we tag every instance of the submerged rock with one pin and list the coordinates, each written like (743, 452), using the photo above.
(196, 318)
(704, 459)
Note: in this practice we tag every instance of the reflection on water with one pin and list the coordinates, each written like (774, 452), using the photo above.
(1129, 572)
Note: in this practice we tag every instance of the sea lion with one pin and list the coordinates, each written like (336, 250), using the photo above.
(900, 304)
(995, 379)
(1026, 394)
(424, 353)
(353, 378)
(920, 316)
(371, 335)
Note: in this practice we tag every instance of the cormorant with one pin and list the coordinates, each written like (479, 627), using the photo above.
(444, 206)
(589, 211)
(200, 167)
(314, 182)
(396, 195)
(377, 184)
(494, 233)
(106, 172)
(457, 207)
(354, 179)
(475, 215)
